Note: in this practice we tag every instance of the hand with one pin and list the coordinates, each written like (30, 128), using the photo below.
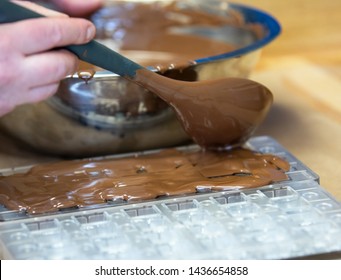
(78, 8)
(30, 70)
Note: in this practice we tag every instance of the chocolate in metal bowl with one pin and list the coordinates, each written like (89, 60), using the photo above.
(185, 40)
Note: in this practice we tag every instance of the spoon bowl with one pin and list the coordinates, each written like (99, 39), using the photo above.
(216, 114)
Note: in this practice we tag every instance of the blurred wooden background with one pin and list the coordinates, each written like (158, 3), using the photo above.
(311, 28)
(303, 69)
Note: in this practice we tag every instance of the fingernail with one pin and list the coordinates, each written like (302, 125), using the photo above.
(90, 33)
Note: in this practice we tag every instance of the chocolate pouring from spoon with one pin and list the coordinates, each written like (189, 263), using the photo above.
(216, 114)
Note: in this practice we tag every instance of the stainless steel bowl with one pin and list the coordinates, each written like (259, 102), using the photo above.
(111, 115)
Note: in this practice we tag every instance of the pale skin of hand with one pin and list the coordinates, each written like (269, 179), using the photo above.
(30, 70)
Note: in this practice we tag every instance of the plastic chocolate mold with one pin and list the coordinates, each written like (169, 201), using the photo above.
(292, 219)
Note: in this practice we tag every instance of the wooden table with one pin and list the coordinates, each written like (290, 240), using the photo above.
(303, 69)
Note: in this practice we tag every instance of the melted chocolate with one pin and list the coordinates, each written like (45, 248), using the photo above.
(80, 183)
(158, 27)
(86, 75)
(216, 114)
(156, 34)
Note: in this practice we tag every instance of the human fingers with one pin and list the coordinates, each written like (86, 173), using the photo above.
(39, 9)
(39, 93)
(41, 34)
(36, 78)
(47, 68)
(8, 102)
(78, 7)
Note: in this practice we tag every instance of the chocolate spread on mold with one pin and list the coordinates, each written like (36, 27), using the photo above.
(80, 183)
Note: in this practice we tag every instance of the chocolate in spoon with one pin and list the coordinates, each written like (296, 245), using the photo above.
(216, 113)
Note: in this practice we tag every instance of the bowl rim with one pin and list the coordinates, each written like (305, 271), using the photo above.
(251, 15)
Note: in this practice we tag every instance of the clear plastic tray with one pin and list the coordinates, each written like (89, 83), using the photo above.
(291, 219)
